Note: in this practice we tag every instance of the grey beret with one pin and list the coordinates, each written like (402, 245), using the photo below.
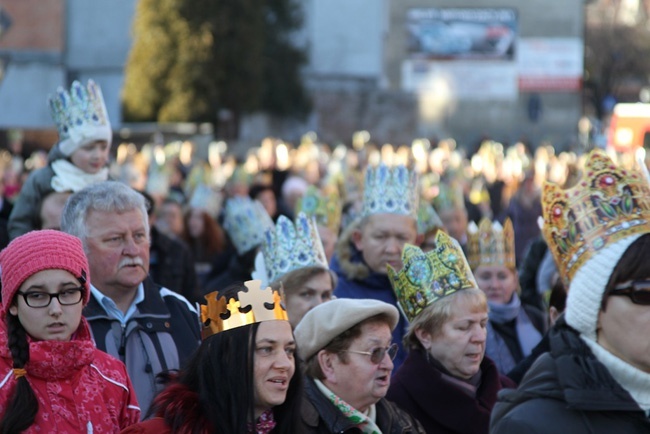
(328, 320)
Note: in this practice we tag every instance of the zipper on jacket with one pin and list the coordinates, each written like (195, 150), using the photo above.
(122, 350)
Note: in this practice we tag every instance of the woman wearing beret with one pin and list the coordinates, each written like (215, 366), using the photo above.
(53, 377)
(446, 382)
(596, 377)
(348, 352)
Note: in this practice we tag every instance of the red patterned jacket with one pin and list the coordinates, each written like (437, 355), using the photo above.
(79, 388)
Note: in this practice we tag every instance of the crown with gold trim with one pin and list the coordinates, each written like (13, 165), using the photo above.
(606, 205)
(246, 220)
(427, 277)
(491, 244)
(80, 116)
(252, 304)
(390, 190)
(428, 218)
(291, 246)
(326, 208)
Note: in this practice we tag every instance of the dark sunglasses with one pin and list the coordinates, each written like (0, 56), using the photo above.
(638, 291)
(378, 354)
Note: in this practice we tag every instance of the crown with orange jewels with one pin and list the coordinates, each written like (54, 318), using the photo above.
(491, 244)
(608, 204)
(252, 304)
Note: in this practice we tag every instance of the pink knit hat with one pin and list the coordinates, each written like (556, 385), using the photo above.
(37, 251)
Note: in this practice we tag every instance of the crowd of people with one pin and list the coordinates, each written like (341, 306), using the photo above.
(307, 289)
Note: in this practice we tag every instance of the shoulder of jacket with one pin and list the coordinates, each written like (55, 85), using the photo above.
(171, 296)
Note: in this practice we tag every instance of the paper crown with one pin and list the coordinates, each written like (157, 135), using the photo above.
(427, 277)
(606, 205)
(325, 208)
(428, 218)
(246, 220)
(253, 304)
(288, 247)
(80, 116)
(391, 191)
(491, 244)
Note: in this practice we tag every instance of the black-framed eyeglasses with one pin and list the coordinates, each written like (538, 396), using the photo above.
(377, 354)
(638, 291)
(67, 297)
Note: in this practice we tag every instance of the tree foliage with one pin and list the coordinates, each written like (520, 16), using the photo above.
(616, 55)
(192, 58)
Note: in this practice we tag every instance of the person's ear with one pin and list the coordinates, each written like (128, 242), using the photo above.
(13, 310)
(424, 337)
(553, 314)
(357, 239)
(327, 365)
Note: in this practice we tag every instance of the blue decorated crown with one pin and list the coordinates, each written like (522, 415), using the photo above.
(391, 191)
(245, 220)
(80, 116)
(291, 246)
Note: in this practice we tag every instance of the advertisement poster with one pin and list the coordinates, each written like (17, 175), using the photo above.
(550, 64)
(462, 33)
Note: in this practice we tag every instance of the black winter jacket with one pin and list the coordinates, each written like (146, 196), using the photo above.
(568, 390)
(320, 416)
(171, 265)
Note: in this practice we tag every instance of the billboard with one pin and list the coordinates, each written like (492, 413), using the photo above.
(550, 64)
(462, 33)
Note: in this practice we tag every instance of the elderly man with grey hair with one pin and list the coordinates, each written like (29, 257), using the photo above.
(348, 350)
(150, 328)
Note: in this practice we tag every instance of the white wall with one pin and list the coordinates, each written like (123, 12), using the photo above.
(23, 95)
(347, 36)
(98, 33)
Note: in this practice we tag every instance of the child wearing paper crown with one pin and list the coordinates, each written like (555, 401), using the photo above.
(77, 160)
(53, 377)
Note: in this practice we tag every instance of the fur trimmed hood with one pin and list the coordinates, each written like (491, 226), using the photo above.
(350, 261)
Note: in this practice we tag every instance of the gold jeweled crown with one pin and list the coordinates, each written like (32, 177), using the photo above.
(491, 244)
(606, 205)
(253, 304)
(427, 277)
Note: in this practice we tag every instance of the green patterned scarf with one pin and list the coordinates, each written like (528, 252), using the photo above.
(365, 422)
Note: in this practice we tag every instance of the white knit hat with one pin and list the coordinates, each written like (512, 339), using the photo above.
(587, 287)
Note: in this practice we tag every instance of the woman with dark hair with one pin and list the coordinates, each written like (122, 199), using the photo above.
(596, 376)
(53, 379)
(207, 242)
(241, 379)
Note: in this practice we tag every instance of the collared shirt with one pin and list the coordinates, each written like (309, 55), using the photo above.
(111, 308)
